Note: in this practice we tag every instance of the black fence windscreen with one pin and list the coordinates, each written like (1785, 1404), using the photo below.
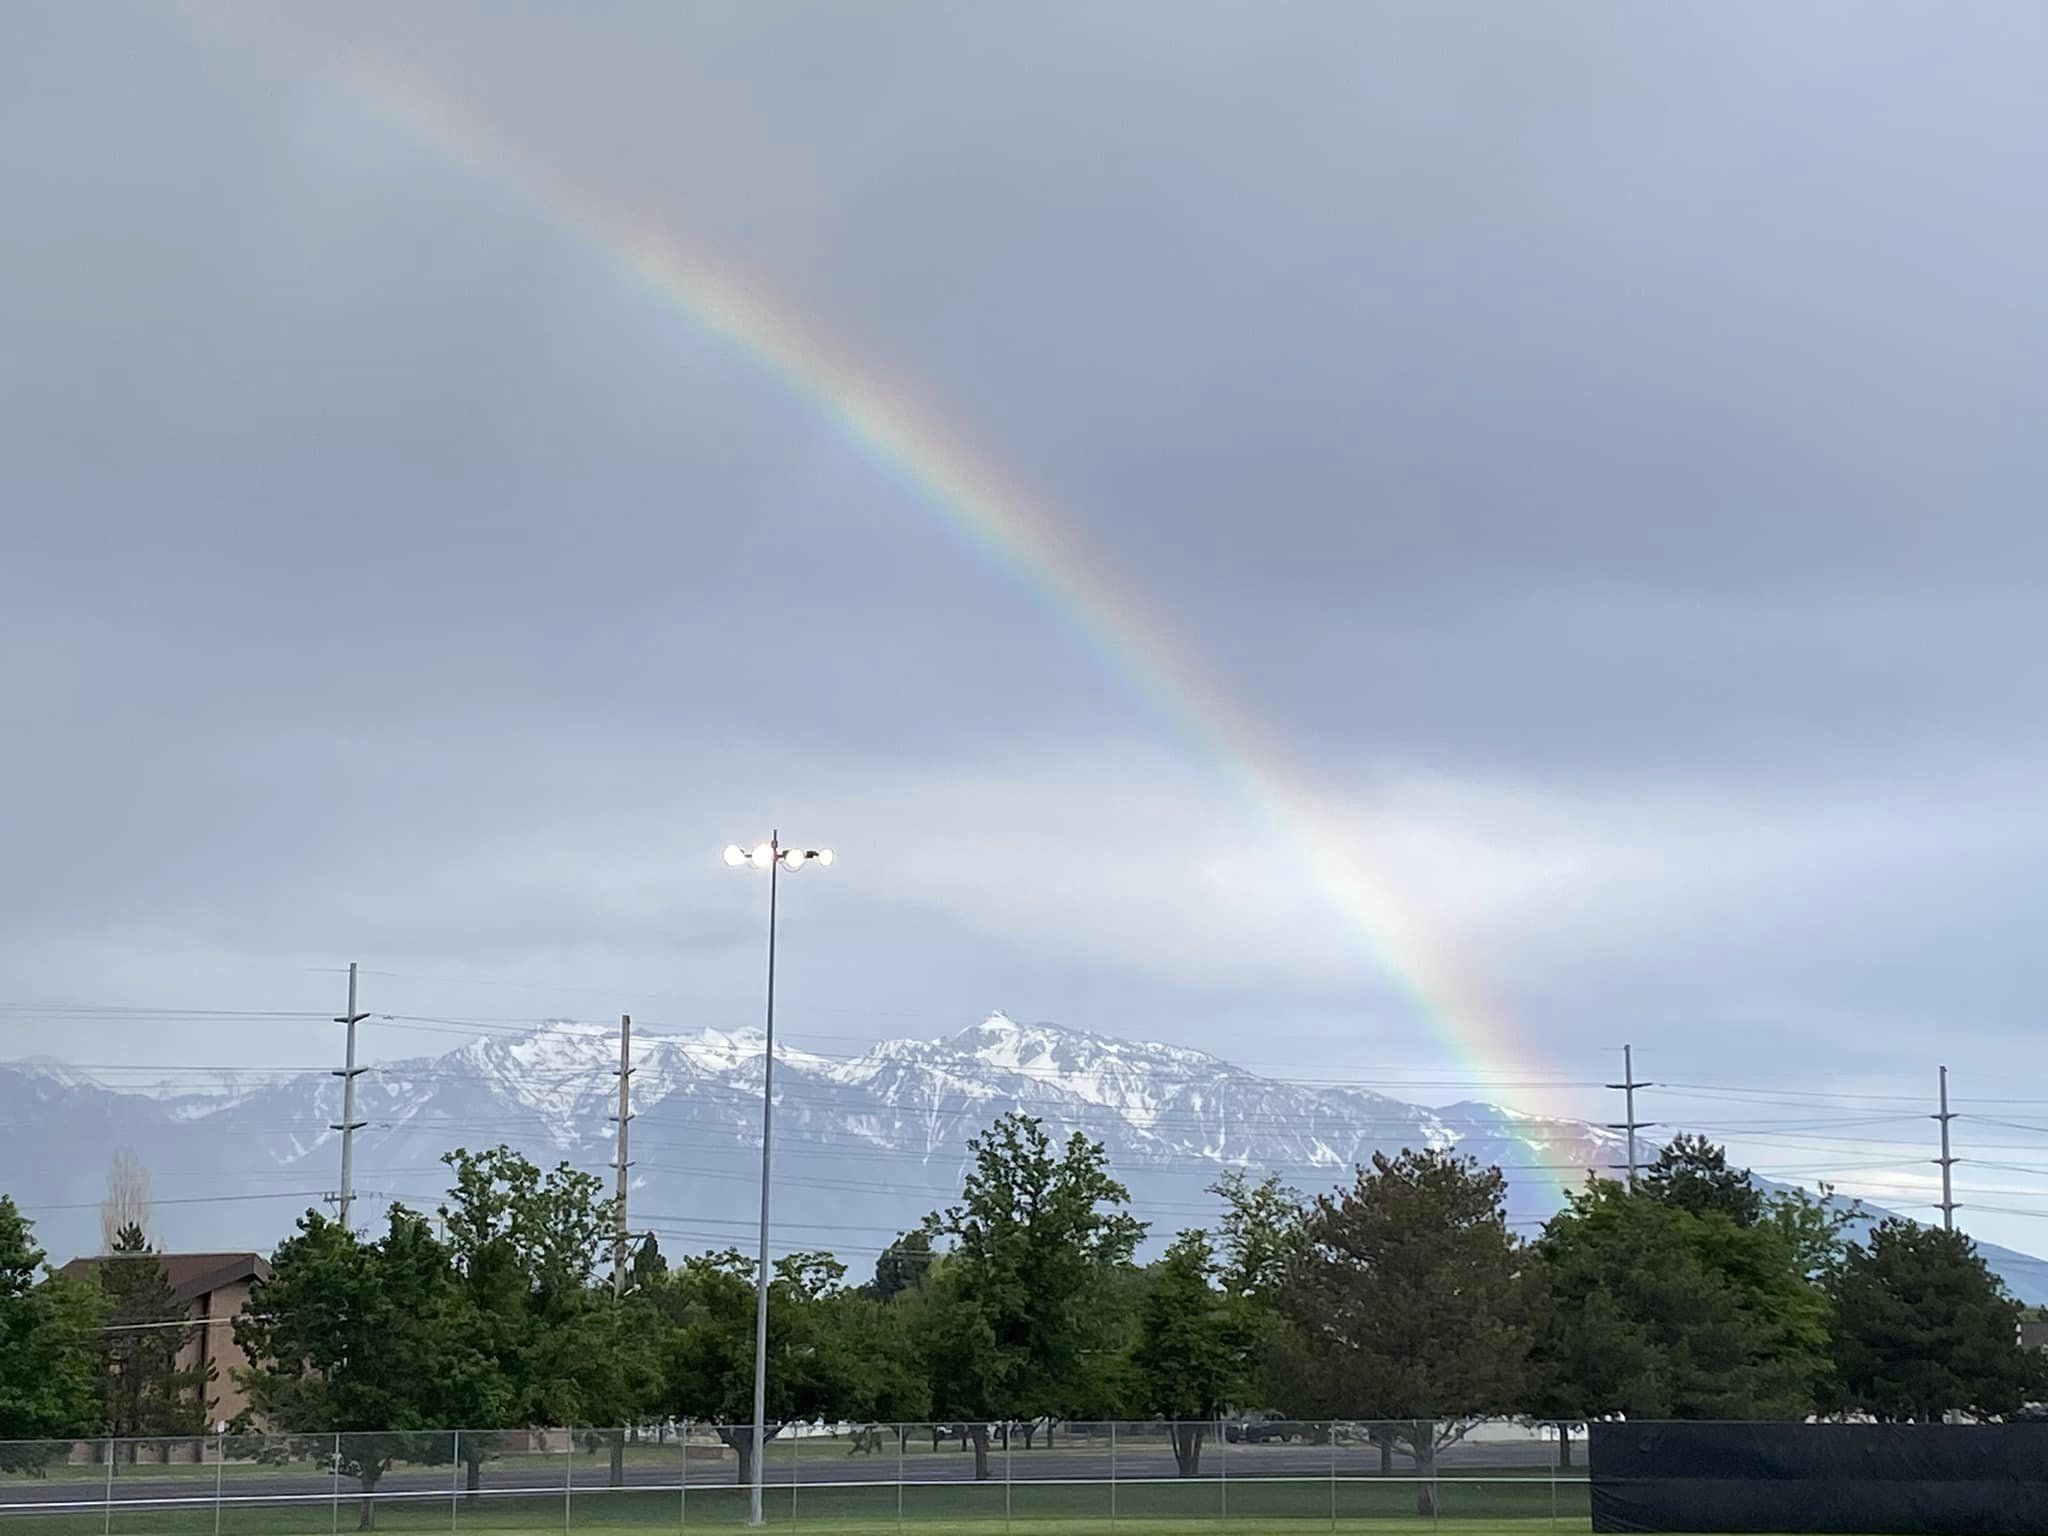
(1871, 1479)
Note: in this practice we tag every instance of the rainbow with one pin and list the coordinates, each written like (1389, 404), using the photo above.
(995, 516)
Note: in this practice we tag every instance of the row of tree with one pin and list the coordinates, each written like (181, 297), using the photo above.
(1404, 1298)
(106, 1358)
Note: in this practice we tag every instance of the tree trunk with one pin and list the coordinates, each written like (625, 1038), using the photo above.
(1564, 1445)
(743, 1446)
(367, 1519)
(1386, 1446)
(1030, 1431)
(1187, 1447)
(1423, 1438)
(473, 1475)
(979, 1435)
(618, 1440)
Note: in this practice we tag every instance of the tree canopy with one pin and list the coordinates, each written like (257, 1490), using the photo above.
(1401, 1298)
(1194, 1345)
(1924, 1328)
(145, 1392)
(360, 1339)
(710, 1365)
(49, 1354)
(1405, 1301)
(1019, 1313)
(1660, 1311)
(1692, 1174)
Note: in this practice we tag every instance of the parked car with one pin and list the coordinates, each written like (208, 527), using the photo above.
(1260, 1426)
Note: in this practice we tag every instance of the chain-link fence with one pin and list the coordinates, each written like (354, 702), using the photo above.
(1249, 1475)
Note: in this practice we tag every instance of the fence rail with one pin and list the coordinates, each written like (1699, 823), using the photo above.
(1069, 1478)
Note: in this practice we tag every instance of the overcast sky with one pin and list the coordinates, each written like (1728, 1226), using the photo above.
(1602, 447)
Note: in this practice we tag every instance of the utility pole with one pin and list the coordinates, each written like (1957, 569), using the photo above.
(625, 1114)
(349, 1123)
(1948, 1203)
(1628, 1085)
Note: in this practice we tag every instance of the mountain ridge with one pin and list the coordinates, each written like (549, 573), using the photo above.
(865, 1144)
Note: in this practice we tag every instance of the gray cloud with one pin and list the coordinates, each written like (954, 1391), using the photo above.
(1601, 454)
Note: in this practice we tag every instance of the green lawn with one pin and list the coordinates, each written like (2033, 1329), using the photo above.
(1051, 1509)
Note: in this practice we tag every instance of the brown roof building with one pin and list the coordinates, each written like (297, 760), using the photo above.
(212, 1288)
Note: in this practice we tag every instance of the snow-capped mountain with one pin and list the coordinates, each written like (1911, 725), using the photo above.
(864, 1146)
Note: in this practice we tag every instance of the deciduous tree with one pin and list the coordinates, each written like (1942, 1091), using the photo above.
(1405, 1303)
(49, 1388)
(557, 1346)
(1023, 1313)
(710, 1375)
(1194, 1346)
(127, 1203)
(358, 1339)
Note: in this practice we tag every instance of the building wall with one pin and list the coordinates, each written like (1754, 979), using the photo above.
(216, 1343)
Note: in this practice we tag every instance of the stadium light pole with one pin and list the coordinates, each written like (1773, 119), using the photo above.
(774, 858)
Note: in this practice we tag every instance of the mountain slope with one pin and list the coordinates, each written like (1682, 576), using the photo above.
(863, 1146)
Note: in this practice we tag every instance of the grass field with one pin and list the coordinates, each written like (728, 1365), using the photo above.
(1048, 1509)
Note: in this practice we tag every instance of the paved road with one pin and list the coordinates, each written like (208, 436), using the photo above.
(817, 1462)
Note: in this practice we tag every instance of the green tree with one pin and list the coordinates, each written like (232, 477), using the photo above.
(1023, 1312)
(878, 1371)
(1692, 1174)
(556, 1345)
(1259, 1240)
(1406, 1306)
(358, 1339)
(902, 1266)
(145, 1391)
(49, 1386)
(710, 1376)
(1657, 1311)
(1923, 1327)
(1194, 1346)
(649, 1266)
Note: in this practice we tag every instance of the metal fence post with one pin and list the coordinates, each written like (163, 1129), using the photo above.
(796, 1442)
(113, 1450)
(334, 1519)
(1436, 1491)
(1562, 1430)
(902, 1440)
(568, 1473)
(1112, 1474)
(1008, 1435)
(220, 1461)
(1333, 1475)
(1223, 1461)
(683, 1487)
(454, 1479)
